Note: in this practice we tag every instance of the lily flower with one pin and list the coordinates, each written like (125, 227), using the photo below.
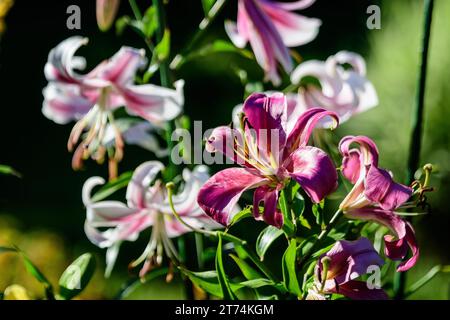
(376, 197)
(337, 270)
(271, 28)
(271, 146)
(90, 99)
(109, 223)
(345, 91)
(106, 11)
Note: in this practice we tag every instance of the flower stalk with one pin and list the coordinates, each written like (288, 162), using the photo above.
(417, 122)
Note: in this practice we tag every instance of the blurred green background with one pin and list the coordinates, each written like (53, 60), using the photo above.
(42, 212)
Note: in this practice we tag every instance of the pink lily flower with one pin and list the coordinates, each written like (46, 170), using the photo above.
(92, 98)
(271, 28)
(337, 270)
(375, 196)
(109, 223)
(344, 91)
(269, 161)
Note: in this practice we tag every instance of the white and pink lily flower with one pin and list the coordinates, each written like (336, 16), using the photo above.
(271, 28)
(90, 99)
(376, 197)
(109, 223)
(346, 91)
(271, 146)
(337, 271)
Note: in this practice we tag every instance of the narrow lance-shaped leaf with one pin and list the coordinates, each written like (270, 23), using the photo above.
(208, 281)
(221, 276)
(289, 269)
(248, 272)
(113, 186)
(265, 240)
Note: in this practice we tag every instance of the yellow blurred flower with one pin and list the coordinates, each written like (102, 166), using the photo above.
(5, 5)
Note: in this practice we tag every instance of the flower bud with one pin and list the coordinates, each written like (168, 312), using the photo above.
(106, 13)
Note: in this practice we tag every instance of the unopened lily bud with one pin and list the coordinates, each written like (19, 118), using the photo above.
(106, 13)
(16, 292)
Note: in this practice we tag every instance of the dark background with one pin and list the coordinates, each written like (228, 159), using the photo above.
(48, 196)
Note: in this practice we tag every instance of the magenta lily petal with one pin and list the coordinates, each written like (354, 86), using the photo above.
(351, 166)
(293, 5)
(267, 197)
(368, 148)
(314, 171)
(226, 141)
(122, 67)
(395, 248)
(153, 103)
(349, 260)
(294, 29)
(266, 115)
(271, 28)
(380, 188)
(63, 104)
(302, 130)
(222, 191)
(398, 249)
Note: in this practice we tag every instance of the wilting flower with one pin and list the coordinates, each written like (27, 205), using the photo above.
(272, 148)
(91, 98)
(109, 223)
(337, 270)
(271, 28)
(345, 91)
(376, 196)
(106, 11)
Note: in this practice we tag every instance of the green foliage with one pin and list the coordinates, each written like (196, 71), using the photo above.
(225, 287)
(113, 186)
(76, 277)
(265, 240)
(290, 269)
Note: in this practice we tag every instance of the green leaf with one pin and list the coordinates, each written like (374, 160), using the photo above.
(245, 213)
(207, 5)
(265, 240)
(134, 283)
(426, 278)
(7, 170)
(162, 49)
(7, 249)
(34, 271)
(150, 22)
(113, 186)
(227, 293)
(121, 24)
(317, 210)
(208, 281)
(77, 276)
(289, 269)
(248, 272)
(218, 46)
(285, 200)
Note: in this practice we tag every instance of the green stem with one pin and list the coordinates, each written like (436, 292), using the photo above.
(226, 236)
(322, 235)
(164, 71)
(135, 9)
(417, 124)
(202, 28)
(164, 67)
